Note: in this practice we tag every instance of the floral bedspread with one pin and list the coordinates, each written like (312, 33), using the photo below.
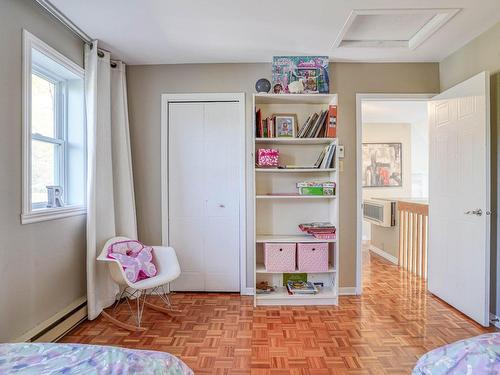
(35, 358)
(477, 355)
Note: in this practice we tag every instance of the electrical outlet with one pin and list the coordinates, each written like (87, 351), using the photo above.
(341, 151)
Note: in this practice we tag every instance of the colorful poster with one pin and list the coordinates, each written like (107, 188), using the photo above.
(311, 70)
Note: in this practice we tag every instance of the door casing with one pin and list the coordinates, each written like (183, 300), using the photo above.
(360, 98)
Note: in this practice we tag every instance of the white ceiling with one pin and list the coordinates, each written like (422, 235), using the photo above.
(209, 31)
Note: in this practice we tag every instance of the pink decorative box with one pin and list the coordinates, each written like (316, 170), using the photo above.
(279, 257)
(312, 257)
(267, 157)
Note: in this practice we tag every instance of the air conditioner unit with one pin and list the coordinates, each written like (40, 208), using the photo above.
(380, 212)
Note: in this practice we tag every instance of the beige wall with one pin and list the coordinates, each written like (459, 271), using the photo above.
(42, 266)
(483, 53)
(147, 83)
(387, 239)
(391, 133)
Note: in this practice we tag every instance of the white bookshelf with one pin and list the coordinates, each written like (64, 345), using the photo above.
(277, 216)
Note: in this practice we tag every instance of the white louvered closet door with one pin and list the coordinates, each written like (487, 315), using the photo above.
(203, 194)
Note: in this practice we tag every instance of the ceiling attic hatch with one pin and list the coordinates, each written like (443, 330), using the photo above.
(391, 28)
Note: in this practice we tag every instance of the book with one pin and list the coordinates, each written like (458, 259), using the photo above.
(304, 126)
(302, 277)
(258, 119)
(331, 131)
(301, 287)
(309, 124)
(293, 166)
(320, 124)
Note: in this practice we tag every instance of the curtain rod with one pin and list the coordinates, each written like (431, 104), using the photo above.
(57, 14)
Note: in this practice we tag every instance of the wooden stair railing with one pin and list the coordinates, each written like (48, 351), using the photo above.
(413, 236)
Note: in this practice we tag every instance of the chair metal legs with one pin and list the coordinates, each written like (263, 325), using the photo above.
(140, 297)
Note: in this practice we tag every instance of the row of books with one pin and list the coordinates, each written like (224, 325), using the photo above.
(320, 230)
(317, 125)
(320, 125)
(265, 128)
(327, 157)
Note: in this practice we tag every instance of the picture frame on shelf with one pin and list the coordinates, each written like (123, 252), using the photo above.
(285, 125)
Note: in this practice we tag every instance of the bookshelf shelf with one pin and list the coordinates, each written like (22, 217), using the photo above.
(281, 297)
(295, 170)
(295, 196)
(293, 98)
(261, 269)
(298, 238)
(295, 141)
(282, 213)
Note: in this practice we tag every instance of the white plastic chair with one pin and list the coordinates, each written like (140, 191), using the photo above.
(168, 269)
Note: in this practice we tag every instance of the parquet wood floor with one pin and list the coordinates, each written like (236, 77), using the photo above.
(384, 331)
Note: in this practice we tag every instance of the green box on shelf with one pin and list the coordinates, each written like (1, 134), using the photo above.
(311, 190)
(294, 277)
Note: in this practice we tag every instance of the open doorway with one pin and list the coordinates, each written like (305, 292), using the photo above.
(393, 154)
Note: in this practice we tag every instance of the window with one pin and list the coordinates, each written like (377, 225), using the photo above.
(53, 132)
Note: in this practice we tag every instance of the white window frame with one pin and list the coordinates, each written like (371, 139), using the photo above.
(29, 213)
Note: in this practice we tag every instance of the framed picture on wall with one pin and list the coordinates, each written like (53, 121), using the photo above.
(382, 165)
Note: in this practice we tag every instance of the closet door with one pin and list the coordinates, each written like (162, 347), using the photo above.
(222, 192)
(204, 195)
(186, 193)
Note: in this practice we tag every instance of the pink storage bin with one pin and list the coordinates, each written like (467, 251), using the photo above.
(312, 257)
(267, 157)
(279, 257)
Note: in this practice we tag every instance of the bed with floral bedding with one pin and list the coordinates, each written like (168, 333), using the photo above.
(476, 355)
(38, 358)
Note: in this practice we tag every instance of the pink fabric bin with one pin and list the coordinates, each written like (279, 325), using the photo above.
(312, 257)
(279, 257)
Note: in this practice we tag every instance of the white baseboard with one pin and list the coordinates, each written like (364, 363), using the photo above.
(384, 254)
(348, 291)
(247, 292)
(495, 320)
(58, 324)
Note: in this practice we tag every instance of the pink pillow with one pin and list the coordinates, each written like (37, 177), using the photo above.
(135, 258)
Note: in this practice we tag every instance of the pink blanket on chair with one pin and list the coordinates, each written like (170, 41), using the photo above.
(135, 258)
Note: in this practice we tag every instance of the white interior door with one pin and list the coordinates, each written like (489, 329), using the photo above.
(203, 179)
(459, 197)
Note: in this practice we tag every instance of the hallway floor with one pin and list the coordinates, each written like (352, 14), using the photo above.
(384, 331)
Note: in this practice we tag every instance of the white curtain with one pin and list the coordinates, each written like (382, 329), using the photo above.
(110, 190)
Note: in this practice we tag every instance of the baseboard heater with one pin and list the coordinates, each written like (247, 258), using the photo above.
(380, 212)
(58, 325)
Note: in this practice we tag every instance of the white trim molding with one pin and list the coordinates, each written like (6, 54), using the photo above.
(28, 214)
(348, 291)
(247, 291)
(495, 320)
(57, 320)
(208, 97)
(438, 17)
(383, 254)
(359, 190)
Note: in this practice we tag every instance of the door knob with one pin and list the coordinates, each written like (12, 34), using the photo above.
(221, 205)
(477, 212)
